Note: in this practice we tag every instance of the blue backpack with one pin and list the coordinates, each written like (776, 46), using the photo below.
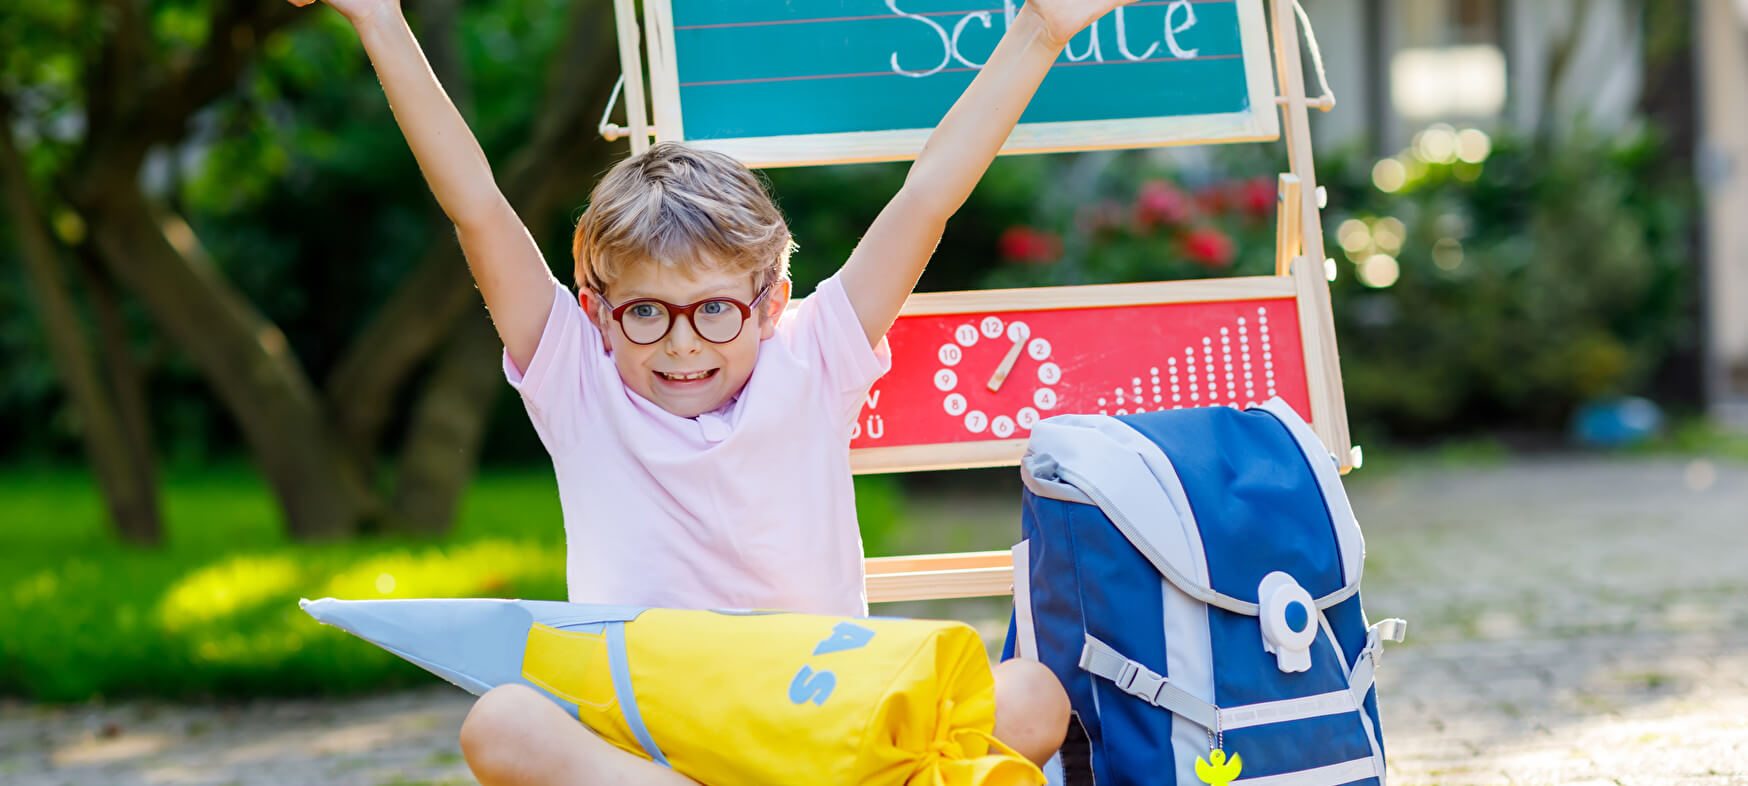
(1192, 576)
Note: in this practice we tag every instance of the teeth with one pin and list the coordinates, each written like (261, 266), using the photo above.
(685, 377)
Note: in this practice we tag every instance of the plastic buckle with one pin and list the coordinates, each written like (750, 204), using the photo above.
(1126, 676)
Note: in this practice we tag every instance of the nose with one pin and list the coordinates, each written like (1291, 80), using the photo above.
(682, 339)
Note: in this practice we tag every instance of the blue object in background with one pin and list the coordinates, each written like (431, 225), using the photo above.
(1616, 422)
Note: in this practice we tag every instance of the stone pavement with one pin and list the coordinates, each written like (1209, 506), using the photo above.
(1572, 620)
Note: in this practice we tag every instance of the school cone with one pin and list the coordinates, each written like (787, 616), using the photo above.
(724, 697)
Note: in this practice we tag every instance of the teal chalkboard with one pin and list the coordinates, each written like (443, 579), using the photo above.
(780, 82)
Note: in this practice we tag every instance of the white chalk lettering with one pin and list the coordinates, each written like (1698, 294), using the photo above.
(946, 43)
(981, 16)
(1123, 40)
(1171, 31)
(1092, 47)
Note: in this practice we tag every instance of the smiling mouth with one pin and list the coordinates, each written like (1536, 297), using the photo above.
(689, 376)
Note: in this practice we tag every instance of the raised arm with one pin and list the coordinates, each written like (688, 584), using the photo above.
(506, 263)
(890, 258)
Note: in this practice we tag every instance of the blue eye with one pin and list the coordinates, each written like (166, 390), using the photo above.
(716, 308)
(645, 311)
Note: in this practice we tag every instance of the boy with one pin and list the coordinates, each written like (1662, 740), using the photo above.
(702, 449)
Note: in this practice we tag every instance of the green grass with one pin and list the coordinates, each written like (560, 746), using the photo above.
(214, 611)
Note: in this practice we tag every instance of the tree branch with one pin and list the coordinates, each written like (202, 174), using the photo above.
(114, 80)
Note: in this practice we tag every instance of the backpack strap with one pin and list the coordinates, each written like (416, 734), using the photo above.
(620, 667)
(1100, 659)
(1365, 665)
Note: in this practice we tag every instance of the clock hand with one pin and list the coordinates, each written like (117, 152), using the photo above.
(1007, 365)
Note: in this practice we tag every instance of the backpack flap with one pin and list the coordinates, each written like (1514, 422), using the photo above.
(1239, 470)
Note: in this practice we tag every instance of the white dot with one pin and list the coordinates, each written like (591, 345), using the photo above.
(1222, 331)
(1206, 340)
(1122, 412)
(1241, 321)
(1176, 397)
(1101, 402)
(1154, 371)
(1156, 388)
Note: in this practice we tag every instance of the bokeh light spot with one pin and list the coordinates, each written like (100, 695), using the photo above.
(1389, 175)
(1379, 271)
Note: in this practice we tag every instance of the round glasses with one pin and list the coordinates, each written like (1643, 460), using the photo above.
(717, 320)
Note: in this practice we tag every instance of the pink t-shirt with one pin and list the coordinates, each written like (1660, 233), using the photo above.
(746, 507)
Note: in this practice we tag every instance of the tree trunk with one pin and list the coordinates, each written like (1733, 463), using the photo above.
(120, 456)
(449, 422)
(319, 482)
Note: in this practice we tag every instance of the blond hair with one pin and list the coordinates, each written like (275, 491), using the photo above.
(681, 207)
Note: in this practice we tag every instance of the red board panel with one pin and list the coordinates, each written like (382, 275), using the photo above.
(1112, 360)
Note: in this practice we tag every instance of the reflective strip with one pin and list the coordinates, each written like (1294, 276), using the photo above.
(1025, 636)
(621, 669)
(1098, 658)
(1262, 714)
(1332, 775)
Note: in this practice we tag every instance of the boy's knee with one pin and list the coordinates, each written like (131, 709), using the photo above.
(1031, 708)
(493, 729)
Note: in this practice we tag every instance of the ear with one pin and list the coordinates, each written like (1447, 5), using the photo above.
(596, 311)
(772, 309)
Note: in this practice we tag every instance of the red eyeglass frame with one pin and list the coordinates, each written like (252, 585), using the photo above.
(675, 311)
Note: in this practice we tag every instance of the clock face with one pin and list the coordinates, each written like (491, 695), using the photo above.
(996, 378)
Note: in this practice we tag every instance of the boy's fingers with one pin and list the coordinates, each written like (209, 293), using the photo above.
(300, 3)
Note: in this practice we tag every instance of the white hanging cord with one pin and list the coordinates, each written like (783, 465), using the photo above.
(612, 131)
(1325, 102)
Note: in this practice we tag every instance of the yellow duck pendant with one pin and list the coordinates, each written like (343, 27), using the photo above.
(1220, 772)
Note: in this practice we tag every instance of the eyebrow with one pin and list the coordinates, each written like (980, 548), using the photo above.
(706, 294)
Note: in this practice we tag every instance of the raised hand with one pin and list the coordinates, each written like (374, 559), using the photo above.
(1064, 18)
(358, 11)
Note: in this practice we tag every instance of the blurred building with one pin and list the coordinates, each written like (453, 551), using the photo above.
(1548, 67)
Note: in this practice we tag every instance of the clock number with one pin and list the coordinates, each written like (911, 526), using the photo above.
(1002, 426)
(976, 421)
(991, 326)
(1049, 373)
(1019, 331)
(954, 404)
(950, 354)
(1027, 418)
(1045, 398)
(946, 380)
(966, 335)
(1039, 349)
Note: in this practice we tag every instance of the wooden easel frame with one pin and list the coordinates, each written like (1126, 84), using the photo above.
(1299, 273)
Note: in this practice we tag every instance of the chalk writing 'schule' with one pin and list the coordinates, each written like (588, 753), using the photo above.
(1179, 17)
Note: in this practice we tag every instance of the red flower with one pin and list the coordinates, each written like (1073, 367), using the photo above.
(1161, 204)
(1208, 247)
(1258, 197)
(1026, 245)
